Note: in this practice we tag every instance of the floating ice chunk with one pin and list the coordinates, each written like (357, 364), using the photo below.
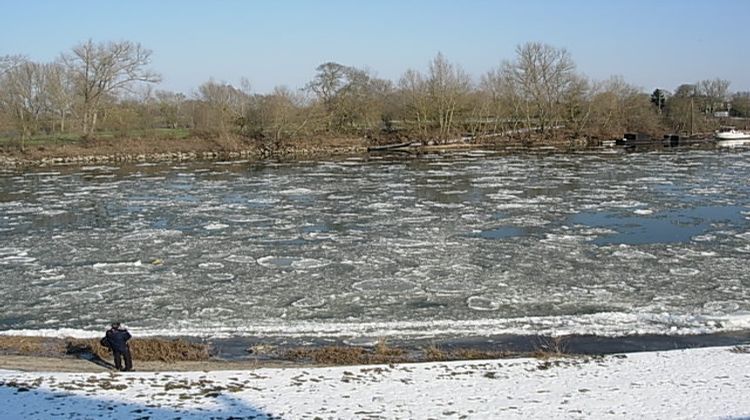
(643, 212)
(147, 234)
(628, 253)
(557, 238)
(16, 259)
(7, 251)
(297, 191)
(447, 205)
(120, 268)
(384, 285)
(704, 238)
(292, 262)
(100, 266)
(684, 271)
(309, 302)
(211, 265)
(52, 212)
(481, 303)
(215, 226)
(309, 263)
(242, 259)
(221, 276)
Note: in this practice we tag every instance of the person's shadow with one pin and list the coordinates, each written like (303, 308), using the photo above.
(91, 357)
(84, 352)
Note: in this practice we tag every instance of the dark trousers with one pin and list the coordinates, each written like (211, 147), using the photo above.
(120, 355)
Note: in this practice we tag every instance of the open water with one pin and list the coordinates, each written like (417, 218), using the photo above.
(453, 245)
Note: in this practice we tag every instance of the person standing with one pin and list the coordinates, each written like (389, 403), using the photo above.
(116, 339)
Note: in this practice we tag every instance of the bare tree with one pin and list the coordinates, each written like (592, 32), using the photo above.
(352, 98)
(544, 76)
(447, 86)
(283, 116)
(682, 110)
(413, 89)
(225, 106)
(61, 94)
(714, 94)
(741, 104)
(170, 107)
(507, 107)
(106, 69)
(24, 97)
(619, 107)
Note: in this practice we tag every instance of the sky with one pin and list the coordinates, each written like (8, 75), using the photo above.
(650, 43)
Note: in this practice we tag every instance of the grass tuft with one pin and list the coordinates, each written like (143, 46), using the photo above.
(146, 349)
(741, 349)
(549, 347)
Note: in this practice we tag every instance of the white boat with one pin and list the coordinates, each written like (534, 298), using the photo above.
(734, 143)
(730, 133)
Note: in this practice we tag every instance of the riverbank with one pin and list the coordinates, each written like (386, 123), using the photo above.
(141, 150)
(696, 383)
(186, 353)
(129, 150)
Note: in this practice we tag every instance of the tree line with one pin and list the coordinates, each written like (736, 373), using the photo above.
(108, 87)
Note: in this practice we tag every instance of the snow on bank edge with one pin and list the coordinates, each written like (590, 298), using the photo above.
(695, 383)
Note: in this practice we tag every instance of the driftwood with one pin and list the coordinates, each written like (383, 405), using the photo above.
(391, 146)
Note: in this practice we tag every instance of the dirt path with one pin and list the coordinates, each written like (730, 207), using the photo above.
(73, 364)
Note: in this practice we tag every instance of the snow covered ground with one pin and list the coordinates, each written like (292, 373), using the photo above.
(697, 383)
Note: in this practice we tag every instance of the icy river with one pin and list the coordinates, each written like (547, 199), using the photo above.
(439, 245)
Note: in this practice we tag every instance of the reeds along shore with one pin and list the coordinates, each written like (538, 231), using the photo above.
(143, 349)
(180, 350)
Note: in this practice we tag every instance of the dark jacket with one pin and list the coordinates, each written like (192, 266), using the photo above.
(117, 339)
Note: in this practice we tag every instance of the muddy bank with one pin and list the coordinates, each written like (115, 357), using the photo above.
(165, 150)
(190, 353)
(119, 151)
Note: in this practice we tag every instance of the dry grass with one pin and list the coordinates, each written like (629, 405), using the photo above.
(551, 347)
(741, 349)
(41, 346)
(436, 354)
(146, 349)
(382, 353)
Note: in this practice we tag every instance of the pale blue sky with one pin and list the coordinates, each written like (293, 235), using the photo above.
(650, 43)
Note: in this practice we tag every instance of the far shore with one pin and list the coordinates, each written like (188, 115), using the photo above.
(145, 150)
